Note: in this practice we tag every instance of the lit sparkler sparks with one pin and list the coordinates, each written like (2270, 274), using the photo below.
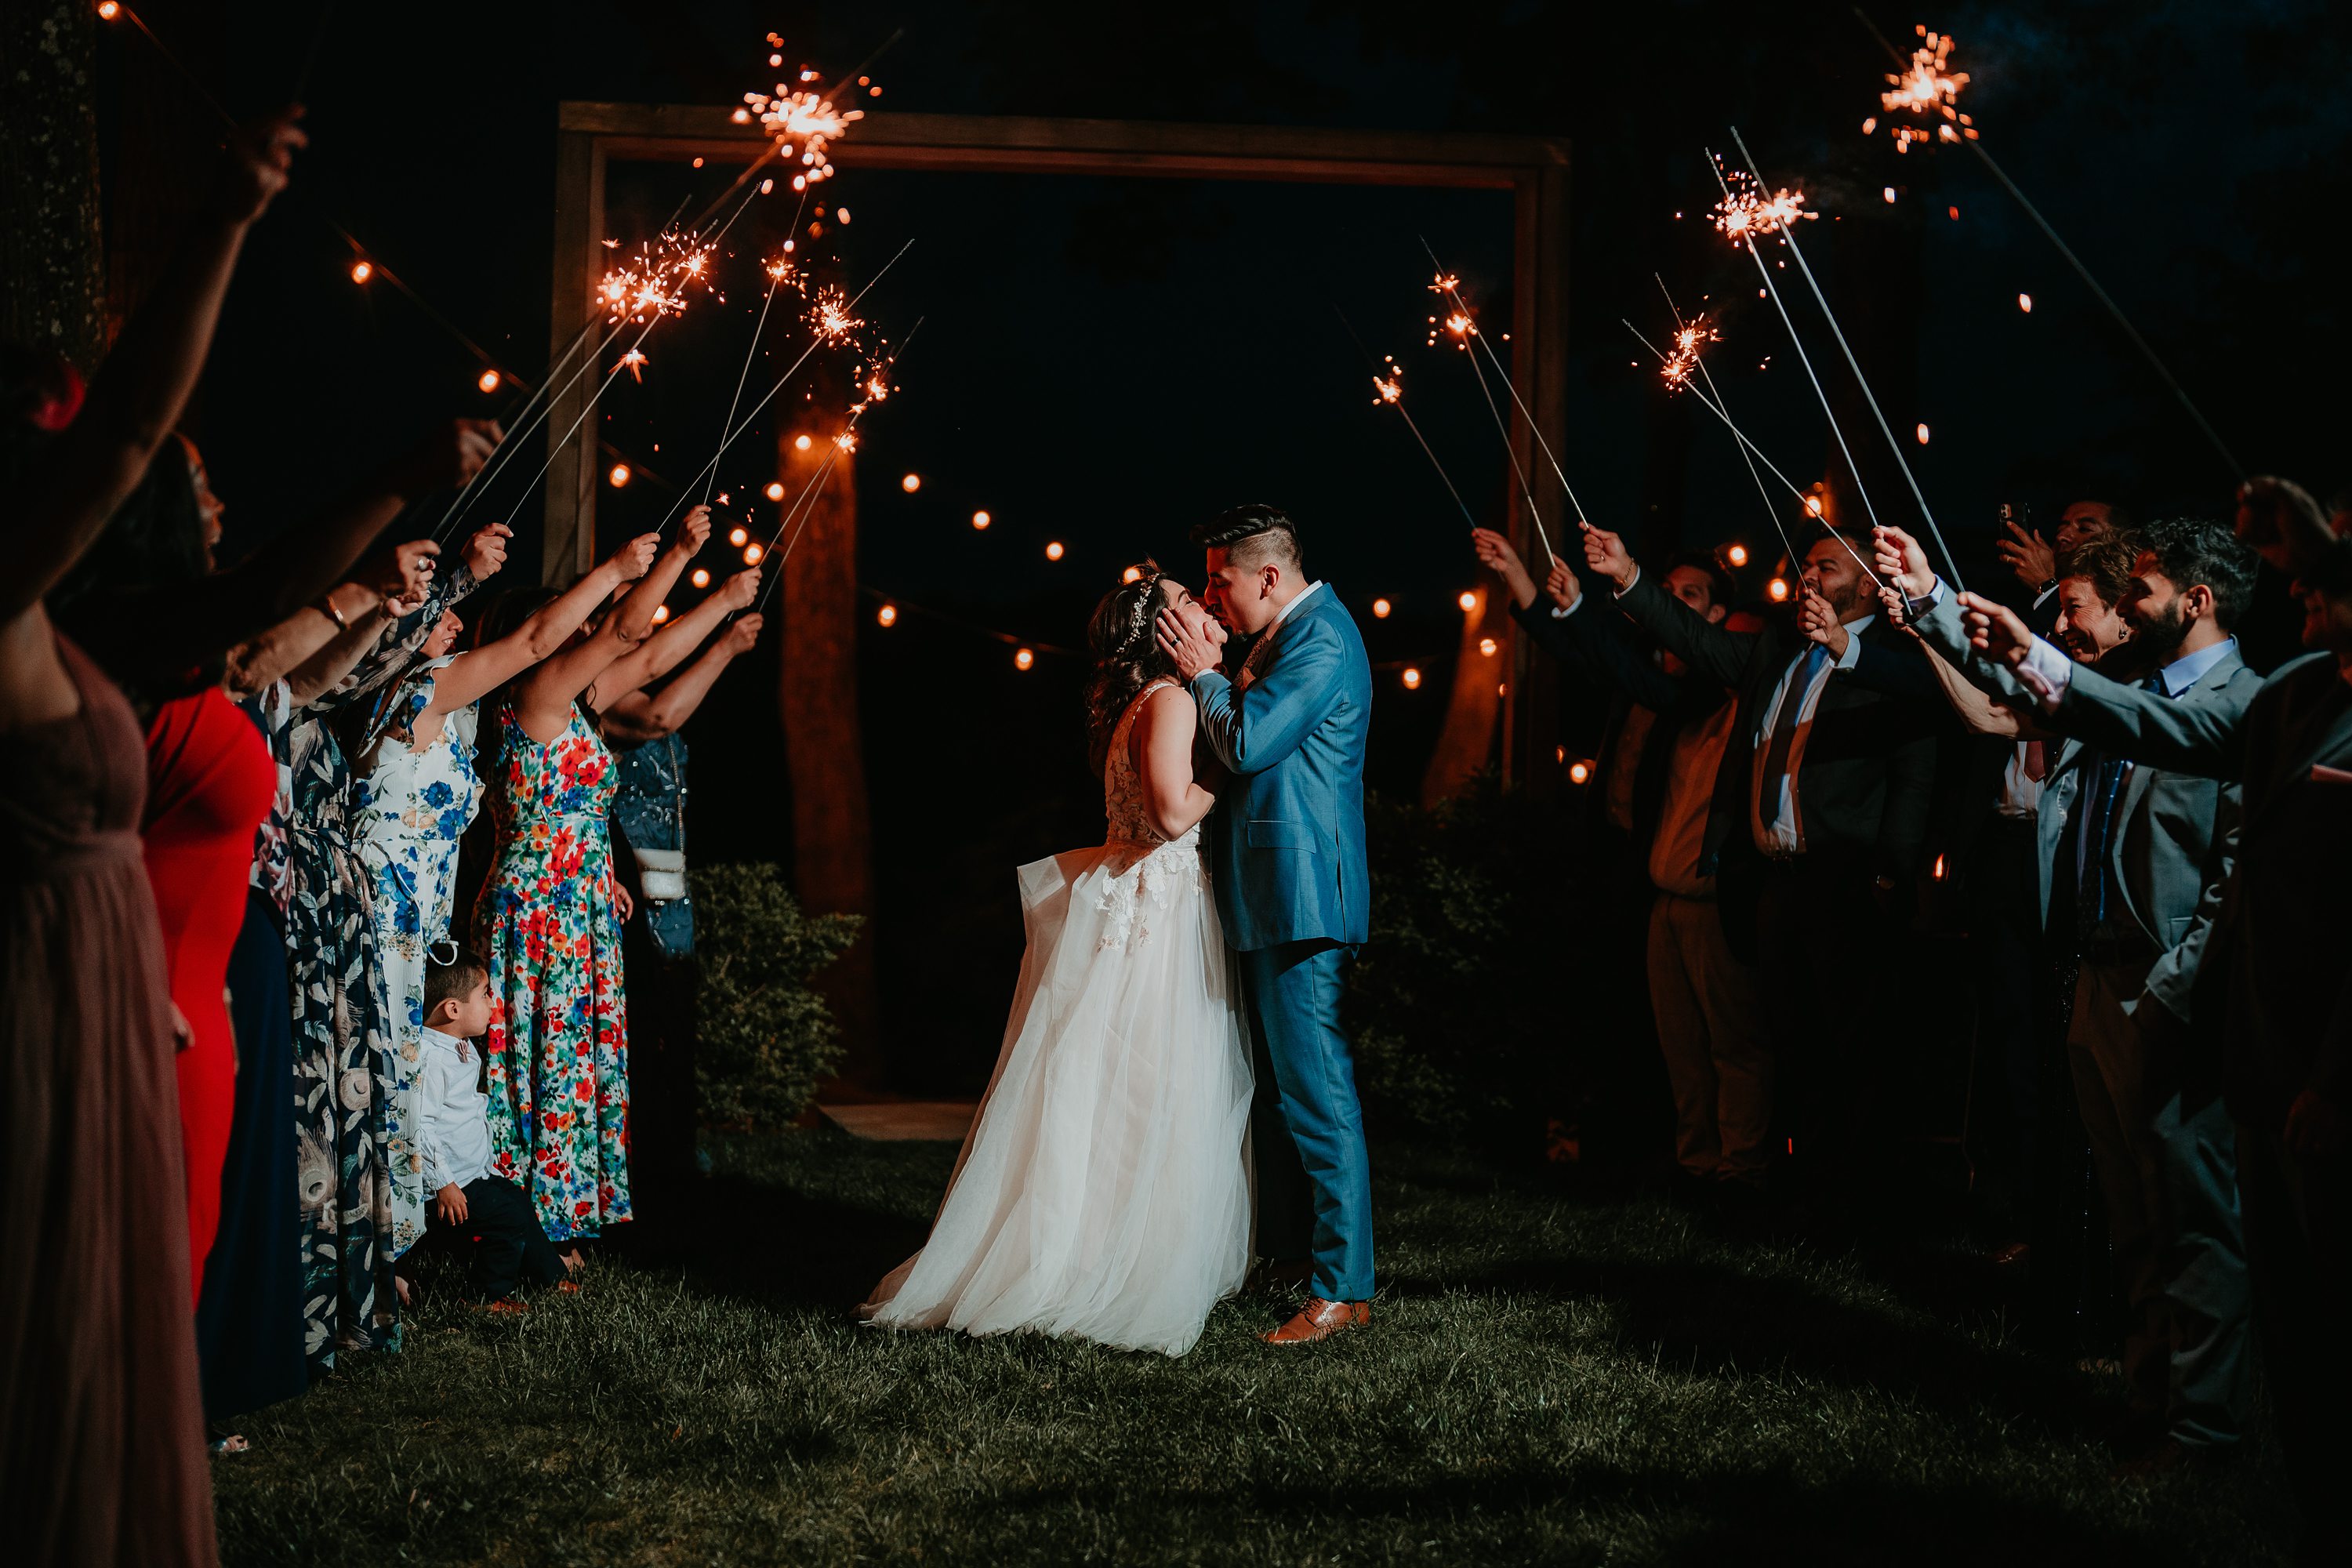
(1682, 362)
(1390, 388)
(803, 121)
(634, 362)
(829, 315)
(655, 282)
(1746, 212)
(1927, 90)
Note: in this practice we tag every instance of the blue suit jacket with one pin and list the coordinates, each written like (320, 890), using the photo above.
(1286, 842)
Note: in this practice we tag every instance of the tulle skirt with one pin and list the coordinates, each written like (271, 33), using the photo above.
(1104, 1191)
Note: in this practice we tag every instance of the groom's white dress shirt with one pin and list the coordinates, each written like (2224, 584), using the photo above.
(1266, 638)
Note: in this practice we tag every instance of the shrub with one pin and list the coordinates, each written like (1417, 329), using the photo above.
(766, 1040)
(1455, 1003)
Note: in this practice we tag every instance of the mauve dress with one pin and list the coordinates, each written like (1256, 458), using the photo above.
(101, 1433)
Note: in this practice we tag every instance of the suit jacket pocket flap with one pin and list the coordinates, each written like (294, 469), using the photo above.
(1269, 834)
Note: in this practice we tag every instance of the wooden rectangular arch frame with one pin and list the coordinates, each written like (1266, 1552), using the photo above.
(1534, 169)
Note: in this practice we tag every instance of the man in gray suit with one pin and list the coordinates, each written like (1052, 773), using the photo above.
(2133, 862)
(2273, 1007)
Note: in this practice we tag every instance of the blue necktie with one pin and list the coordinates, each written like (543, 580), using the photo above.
(2098, 824)
(1784, 732)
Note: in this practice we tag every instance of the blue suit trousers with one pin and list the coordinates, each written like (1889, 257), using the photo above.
(1306, 1100)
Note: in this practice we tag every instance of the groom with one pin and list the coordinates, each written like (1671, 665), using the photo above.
(1292, 888)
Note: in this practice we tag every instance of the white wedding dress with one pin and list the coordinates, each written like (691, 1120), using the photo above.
(1104, 1191)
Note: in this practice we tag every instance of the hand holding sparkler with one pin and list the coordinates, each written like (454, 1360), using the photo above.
(400, 572)
(2027, 554)
(1820, 624)
(693, 532)
(1901, 563)
(256, 168)
(1561, 585)
(1192, 652)
(486, 551)
(1995, 630)
(744, 635)
(740, 590)
(1607, 555)
(1494, 553)
(636, 558)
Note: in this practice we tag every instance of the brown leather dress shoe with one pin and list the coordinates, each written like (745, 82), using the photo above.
(1319, 1319)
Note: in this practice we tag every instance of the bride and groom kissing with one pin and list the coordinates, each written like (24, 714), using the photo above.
(1175, 1097)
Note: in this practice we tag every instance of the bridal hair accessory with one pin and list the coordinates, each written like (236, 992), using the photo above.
(1145, 611)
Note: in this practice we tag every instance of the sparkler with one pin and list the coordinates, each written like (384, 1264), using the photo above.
(1925, 89)
(1389, 389)
(1463, 327)
(1452, 285)
(1853, 365)
(1939, 92)
(1742, 220)
(778, 271)
(1689, 334)
(1812, 508)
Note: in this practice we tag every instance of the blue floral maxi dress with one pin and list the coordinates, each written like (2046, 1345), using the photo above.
(558, 1047)
(414, 806)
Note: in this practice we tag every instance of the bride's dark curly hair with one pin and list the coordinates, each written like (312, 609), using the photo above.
(1121, 635)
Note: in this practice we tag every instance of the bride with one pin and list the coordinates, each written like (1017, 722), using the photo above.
(1104, 1191)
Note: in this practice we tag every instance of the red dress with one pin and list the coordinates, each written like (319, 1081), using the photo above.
(210, 780)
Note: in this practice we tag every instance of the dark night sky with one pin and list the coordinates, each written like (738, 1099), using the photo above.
(1106, 361)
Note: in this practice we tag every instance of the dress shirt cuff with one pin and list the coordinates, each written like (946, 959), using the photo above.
(1573, 605)
(2047, 673)
(1853, 654)
(1620, 592)
(1916, 610)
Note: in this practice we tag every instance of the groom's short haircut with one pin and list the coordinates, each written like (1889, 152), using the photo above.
(1252, 535)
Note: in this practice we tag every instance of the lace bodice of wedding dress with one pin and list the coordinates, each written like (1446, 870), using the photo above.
(1123, 787)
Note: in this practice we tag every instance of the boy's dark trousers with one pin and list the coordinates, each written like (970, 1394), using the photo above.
(504, 1234)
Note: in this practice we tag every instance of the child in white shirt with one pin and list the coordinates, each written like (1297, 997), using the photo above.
(490, 1215)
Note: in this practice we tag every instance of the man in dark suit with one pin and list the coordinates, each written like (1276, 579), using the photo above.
(2271, 1014)
(1668, 729)
(1818, 819)
(2135, 857)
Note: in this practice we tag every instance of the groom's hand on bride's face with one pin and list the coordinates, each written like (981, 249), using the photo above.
(1190, 651)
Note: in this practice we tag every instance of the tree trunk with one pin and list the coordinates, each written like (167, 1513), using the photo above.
(817, 700)
(52, 273)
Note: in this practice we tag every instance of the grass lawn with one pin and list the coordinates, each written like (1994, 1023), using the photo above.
(1546, 1380)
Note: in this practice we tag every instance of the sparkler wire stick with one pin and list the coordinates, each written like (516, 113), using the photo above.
(750, 354)
(1771, 513)
(1715, 408)
(1517, 402)
(1510, 451)
(2114, 311)
(727, 439)
(1397, 403)
(555, 449)
(544, 400)
(1804, 359)
(1789, 238)
(310, 57)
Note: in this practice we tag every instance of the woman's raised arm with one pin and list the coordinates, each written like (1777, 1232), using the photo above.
(471, 676)
(544, 694)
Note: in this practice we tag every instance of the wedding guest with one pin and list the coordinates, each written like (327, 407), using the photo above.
(418, 792)
(2272, 995)
(650, 810)
(2137, 857)
(102, 1436)
(549, 922)
(2034, 561)
(1709, 1013)
(494, 1221)
(1816, 826)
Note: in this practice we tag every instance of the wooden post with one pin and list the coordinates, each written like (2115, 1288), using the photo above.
(568, 546)
(816, 697)
(52, 279)
(1539, 319)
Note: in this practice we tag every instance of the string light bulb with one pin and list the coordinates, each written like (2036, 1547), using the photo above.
(800, 443)
(1468, 601)
(752, 553)
(1779, 588)
(912, 483)
(1923, 435)
(776, 490)
(1487, 645)
(1132, 574)
(702, 578)
(1412, 678)
(886, 615)
(487, 381)
(1023, 659)
(1053, 550)
(736, 536)
(2025, 303)
(661, 613)
(981, 519)
(1737, 555)
(107, 10)
(1579, 771)
(1381, 608)
(361, 271)
(619, 477)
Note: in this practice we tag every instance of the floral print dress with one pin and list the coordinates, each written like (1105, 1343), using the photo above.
(558, 1047)
(415, 805)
